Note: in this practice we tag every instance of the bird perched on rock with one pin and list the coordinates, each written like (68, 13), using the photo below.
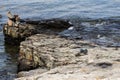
(13, 20)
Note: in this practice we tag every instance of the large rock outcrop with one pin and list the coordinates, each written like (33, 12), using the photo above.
(100, 63)
(18, 34)
(56, 56)
(48, 51)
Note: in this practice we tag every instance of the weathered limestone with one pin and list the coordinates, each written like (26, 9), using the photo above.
(23, 31)
(42, 50)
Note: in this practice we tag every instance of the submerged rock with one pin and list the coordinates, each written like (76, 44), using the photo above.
(51, 23)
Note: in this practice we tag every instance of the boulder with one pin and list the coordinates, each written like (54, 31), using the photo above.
(42, 50)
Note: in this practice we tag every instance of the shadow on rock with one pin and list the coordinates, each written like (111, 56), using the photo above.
(104, 64)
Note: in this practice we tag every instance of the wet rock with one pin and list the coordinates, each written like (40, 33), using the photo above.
(51, 23)
(82, 52)
(28, 28)
(23, 31)
(17, 34)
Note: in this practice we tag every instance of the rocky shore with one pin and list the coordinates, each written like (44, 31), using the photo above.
(53, 57)
(65, 61)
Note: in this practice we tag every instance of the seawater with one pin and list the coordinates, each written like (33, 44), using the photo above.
(62, 8)
(75, 10)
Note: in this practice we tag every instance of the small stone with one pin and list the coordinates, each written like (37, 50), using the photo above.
(82, 52)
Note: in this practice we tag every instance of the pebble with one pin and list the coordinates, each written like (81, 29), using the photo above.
(82, 52)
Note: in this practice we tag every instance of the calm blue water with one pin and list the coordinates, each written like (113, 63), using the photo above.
(53, 9)
(62, 8)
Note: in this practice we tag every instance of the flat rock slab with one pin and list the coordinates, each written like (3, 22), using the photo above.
(84, 70)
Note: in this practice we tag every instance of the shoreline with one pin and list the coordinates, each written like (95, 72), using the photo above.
(49, 53)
